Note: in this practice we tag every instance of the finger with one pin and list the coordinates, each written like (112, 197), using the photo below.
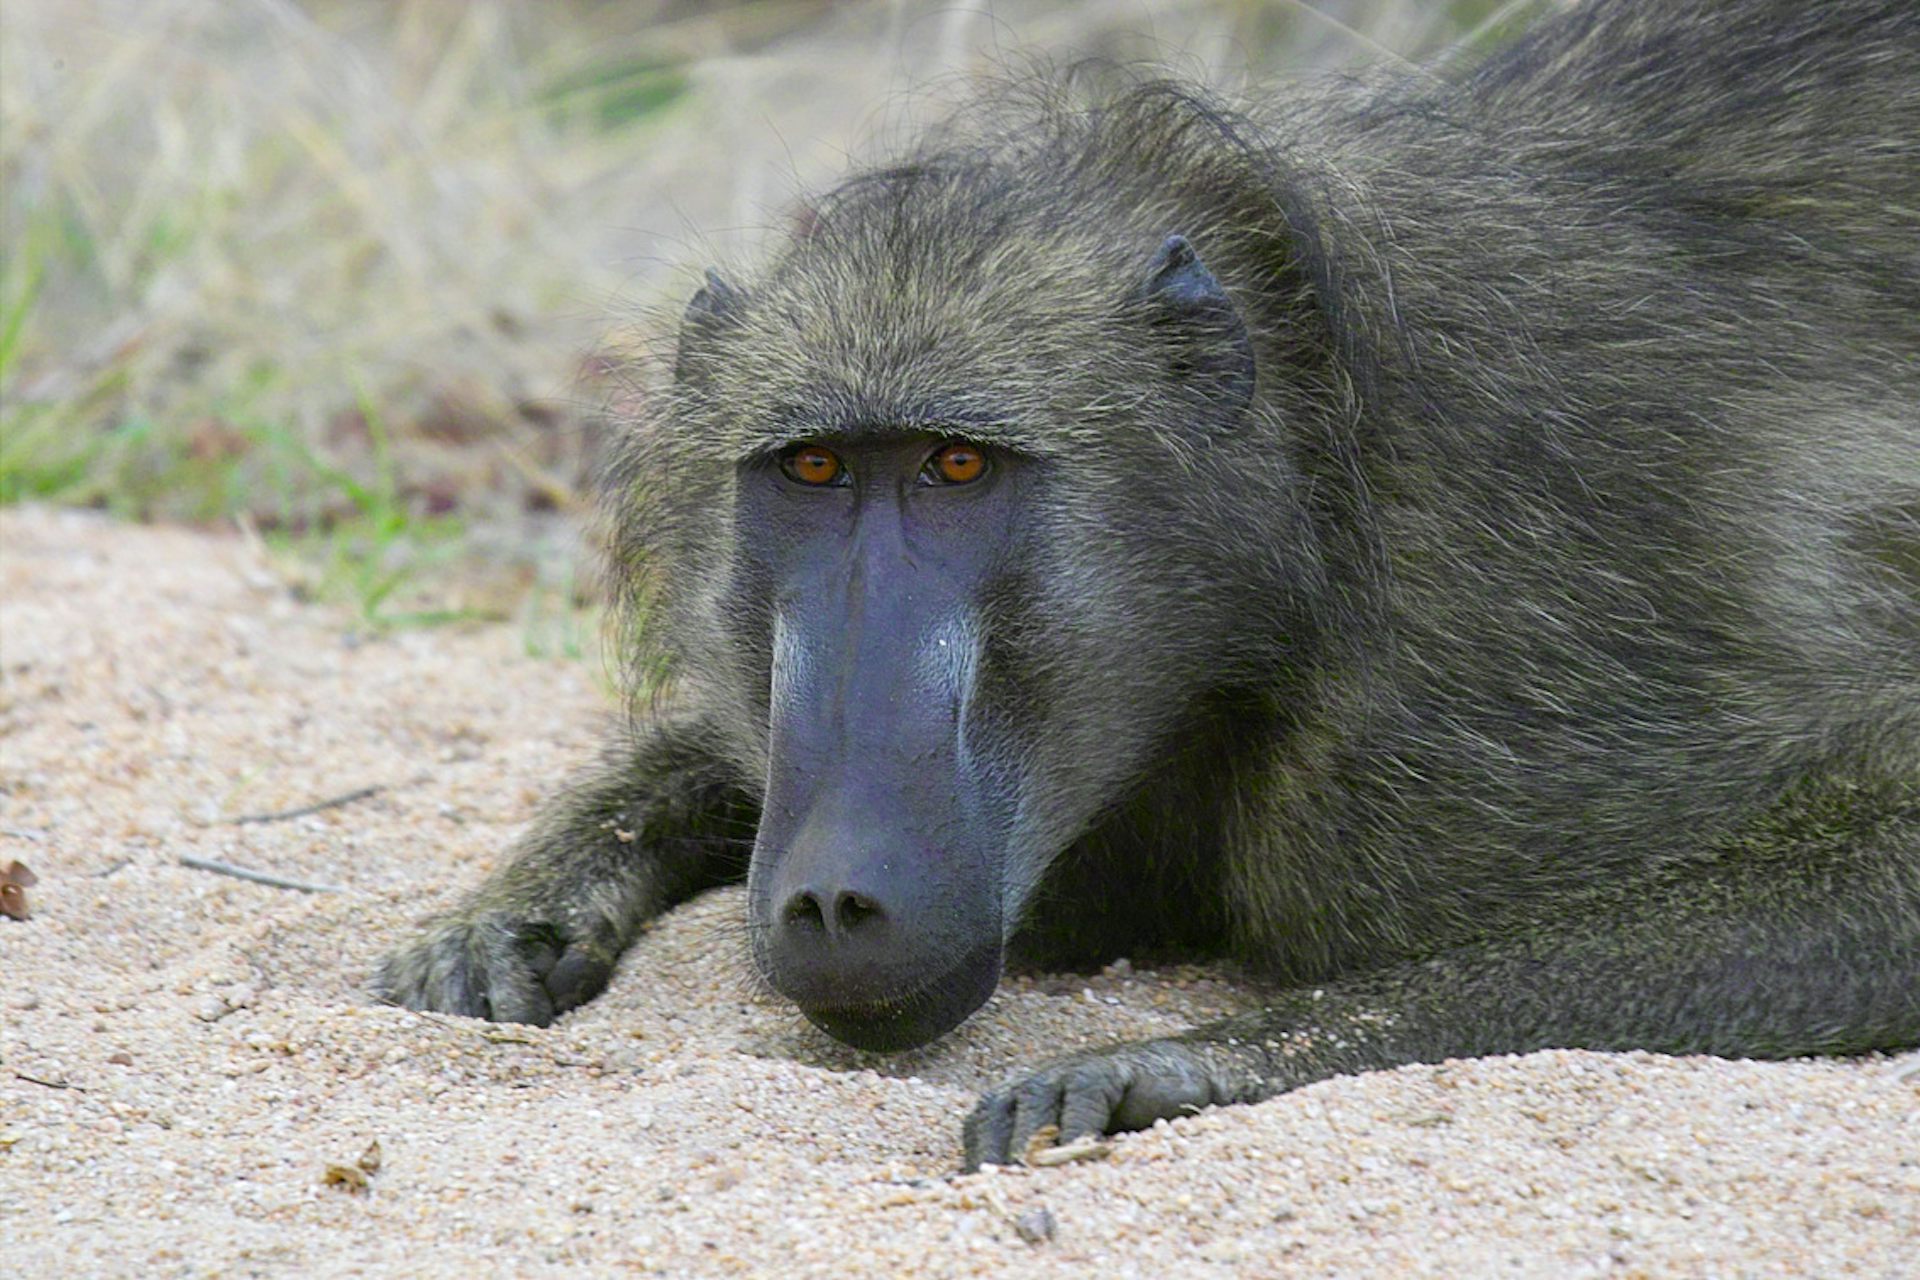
(1092, 1093)
(578, 976)
(988, 1132)
(1170, 1085)
(516, 996)
(385, 985)
(458, 981)
(1036, 1104)
(540, 946)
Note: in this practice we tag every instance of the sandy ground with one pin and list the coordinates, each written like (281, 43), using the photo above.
(186, 1054)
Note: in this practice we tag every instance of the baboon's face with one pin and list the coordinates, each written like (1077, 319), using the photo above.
(955, 569)
(877, 871)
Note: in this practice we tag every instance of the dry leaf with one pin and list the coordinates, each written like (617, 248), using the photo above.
(345, 1175)
(13, 890)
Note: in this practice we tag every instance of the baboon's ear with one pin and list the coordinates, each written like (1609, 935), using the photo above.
(716, 306)
(1206, 338)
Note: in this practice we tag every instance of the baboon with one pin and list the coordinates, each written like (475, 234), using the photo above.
(1450, 542)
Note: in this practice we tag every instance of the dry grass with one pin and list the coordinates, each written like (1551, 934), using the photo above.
(340, 269)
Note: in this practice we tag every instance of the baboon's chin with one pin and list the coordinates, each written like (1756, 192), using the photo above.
(919, 1017)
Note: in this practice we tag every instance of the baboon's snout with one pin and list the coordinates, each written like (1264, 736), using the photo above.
(885, 936)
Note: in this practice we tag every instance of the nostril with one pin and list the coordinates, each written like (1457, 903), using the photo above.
(803, 911)
(850, 909)
(809, 911)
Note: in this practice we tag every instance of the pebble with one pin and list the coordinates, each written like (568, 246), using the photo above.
(1035, 1226)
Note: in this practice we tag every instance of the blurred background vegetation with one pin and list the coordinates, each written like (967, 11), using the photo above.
(370, 279)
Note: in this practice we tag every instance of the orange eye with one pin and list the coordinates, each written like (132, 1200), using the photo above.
(811, 464)
(956, 464)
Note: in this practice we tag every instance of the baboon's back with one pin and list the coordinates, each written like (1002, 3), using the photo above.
(1771, 106)
(1641, 302)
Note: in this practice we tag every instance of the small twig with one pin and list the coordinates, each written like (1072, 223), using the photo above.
(49, 1084)
(305, 809)
(1085, 1149)
(21, 833)
(258, 877)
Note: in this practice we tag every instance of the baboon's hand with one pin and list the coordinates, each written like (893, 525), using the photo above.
(488, 965)
(1108, 1091)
